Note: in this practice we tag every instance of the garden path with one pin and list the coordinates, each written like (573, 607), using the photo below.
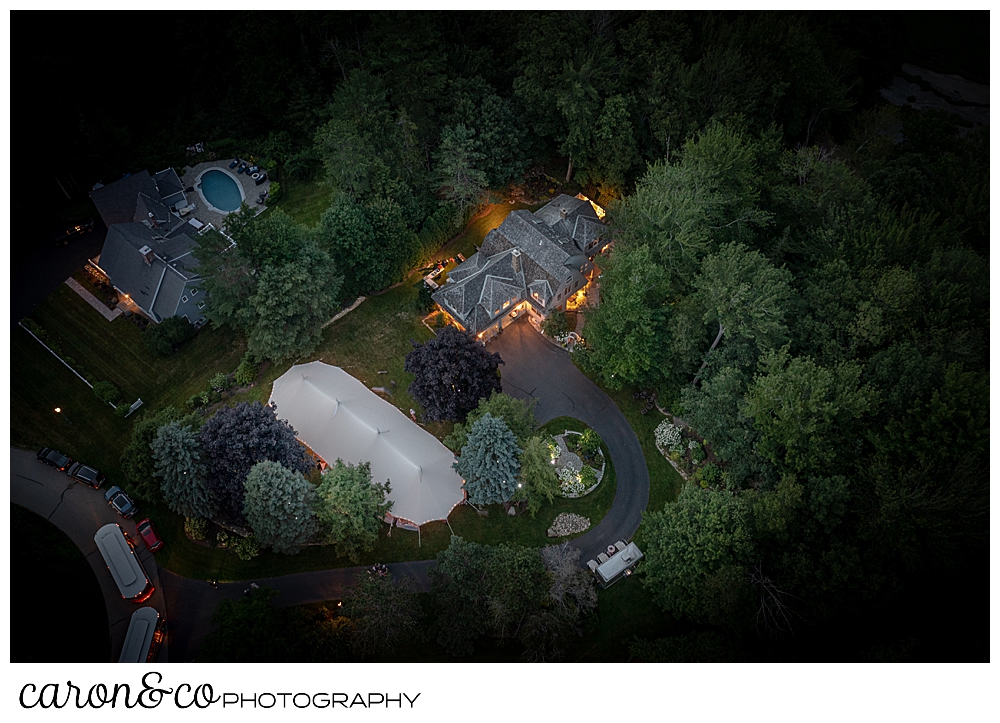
(93, 300)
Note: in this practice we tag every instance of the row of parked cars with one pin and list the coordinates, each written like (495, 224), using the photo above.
(115, 496)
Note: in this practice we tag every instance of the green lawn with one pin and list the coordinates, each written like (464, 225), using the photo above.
(83, 636)
(305, 201)
(114, 351)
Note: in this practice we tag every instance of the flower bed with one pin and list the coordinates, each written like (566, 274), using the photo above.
(576, 477)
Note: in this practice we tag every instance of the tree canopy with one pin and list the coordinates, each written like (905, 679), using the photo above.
(279, 507)
(490, 461)
(351, 507)
(234, 440)
(452, 373)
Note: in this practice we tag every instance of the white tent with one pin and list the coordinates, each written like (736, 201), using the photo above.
(340, 418)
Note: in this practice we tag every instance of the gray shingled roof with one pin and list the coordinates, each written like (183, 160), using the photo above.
(116, 201)
(169, 185)
(129, 272)
(552, 252)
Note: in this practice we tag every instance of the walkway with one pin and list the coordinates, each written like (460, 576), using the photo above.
(536, 369)
(102, 309)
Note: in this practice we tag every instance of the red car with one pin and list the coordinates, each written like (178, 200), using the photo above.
(148, 534)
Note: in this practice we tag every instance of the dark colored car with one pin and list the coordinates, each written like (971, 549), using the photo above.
(88, 475)
(148, 533)
(56, 459)
(73, 231)
(121, 502)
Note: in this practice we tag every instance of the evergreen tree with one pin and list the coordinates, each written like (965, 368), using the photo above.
(350, 508)
(489, 463)
(184, 482)
(517, 413)
(462, 183)
(279, 507)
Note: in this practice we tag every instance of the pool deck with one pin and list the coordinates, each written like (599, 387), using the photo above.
(204, 212)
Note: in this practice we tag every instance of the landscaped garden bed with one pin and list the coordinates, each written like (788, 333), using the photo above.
(690, 456)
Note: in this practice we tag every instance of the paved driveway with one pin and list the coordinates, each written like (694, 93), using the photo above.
(536, 369)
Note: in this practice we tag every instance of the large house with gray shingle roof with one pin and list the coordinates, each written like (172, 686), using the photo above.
(148, 255)
(532, 262)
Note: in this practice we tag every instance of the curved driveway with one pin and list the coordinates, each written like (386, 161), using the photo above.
(537, 369)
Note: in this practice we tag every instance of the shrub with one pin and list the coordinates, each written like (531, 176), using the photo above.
(246, 548)
(590, 443)
(35, 329)
(556, 325)
(222, 539)
(122, 410)
(424, 301)
(709, 473)
(274, 192)
(107, 392)
(570, 482)
(165, 338)
(588, 477)
(195, 527)
(220, 382)
(668, 436)
(246, 372)
(194, 401)
(697, 451)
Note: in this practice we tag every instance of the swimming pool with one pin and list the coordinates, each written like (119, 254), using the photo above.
(220, 190)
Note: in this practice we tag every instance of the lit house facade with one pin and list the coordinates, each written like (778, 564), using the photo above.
(531, 263)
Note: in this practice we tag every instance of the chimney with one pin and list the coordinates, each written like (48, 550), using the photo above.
(563, 213)
(147, 255)
(152, 220)
(515, 261)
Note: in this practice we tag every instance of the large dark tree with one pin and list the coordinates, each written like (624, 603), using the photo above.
(236, 439)
(453, 372)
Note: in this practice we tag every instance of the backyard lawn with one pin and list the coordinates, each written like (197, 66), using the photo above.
(304, 200)
(114, 351)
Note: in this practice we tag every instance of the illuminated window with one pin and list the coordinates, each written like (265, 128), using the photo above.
(506, 304)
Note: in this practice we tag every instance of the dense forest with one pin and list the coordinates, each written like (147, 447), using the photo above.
(800, 270)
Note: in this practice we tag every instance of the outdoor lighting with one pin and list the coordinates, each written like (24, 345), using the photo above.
(58, 410)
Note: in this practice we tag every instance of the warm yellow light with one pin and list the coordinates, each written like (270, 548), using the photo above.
(58, 410)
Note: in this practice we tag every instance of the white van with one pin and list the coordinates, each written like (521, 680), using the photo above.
(145, 633)
(121, 560)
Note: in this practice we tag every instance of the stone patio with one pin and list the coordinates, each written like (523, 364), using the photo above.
(205, 213)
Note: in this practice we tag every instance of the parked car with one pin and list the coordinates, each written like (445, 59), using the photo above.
(88, 475)
(121, 502)
(73, 231)
(148, 533)
(56, 459)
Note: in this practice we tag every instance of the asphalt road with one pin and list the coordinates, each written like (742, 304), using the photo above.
(80, 511)
(537, 369)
